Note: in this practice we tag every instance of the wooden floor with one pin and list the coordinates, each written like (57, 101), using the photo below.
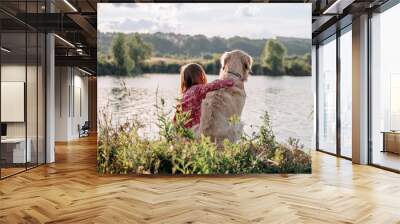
(387, 159)
(5, 172)
(70, 191)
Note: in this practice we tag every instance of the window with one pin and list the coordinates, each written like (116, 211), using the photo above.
(346, 93)
(327, 95)
(385, 89)
(22, 101)
(15, 149)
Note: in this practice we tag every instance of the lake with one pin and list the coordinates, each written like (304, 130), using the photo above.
(288, 100)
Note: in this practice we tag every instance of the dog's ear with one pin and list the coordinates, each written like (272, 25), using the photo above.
(225, 57)
(247, 63)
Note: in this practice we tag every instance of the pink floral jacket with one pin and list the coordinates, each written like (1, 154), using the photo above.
(192, 98)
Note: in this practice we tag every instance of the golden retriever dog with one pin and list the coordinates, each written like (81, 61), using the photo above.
(221, 109)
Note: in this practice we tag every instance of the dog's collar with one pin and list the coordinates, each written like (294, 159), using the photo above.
(235, 74)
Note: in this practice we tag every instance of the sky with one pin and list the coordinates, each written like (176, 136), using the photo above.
(252, 20)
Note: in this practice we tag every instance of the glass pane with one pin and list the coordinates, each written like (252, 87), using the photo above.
(314, 87)
(386, 89)
(327, 96)
(22, 88)
(31, 98)
(346, 94)
(13, 86)
(41, 99)
(32, 87)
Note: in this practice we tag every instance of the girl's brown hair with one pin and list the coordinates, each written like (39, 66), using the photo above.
(192, 74)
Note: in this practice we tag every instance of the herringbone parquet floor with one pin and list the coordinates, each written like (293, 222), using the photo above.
(70, 191)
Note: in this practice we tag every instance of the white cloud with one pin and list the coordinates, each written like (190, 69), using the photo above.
(253, 20)
(247, 11)
(128, 5)
(142, 25)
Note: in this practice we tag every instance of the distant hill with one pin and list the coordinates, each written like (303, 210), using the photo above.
(199, 45)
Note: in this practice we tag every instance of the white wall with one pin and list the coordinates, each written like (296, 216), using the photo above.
(62, 82)
(70, 83)
(81, 114)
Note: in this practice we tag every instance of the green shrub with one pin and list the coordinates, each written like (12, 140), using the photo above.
(121, 150)
(298, 66)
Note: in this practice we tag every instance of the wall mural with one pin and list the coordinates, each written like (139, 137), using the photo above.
(190, 88)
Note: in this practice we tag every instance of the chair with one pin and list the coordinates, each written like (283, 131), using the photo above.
(84, 130)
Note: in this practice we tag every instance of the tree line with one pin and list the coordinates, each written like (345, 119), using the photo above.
(130, 55)
(195, 46)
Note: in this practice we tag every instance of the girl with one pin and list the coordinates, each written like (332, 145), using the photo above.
(194, 88)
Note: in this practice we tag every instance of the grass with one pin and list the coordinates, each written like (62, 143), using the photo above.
(122, 151)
